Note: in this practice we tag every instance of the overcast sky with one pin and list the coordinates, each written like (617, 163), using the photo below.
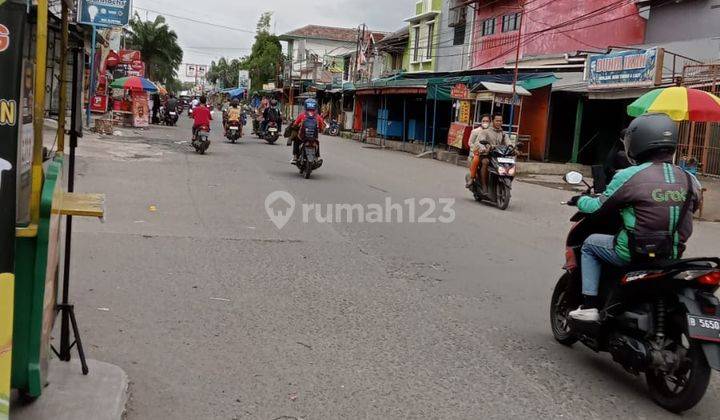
(205, 42)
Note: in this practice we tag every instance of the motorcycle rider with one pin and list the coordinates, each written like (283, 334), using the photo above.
(233, 114)
(489, 138)
(307, 123)
(201, 116)
(272, 114)
(475, 146)
(649, 196)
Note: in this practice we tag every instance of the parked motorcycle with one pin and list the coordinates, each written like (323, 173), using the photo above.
(501, 175)
(271, 133)
(201, 142)
(309, 160)
(233, 131)
(659, 318)
(333, 128)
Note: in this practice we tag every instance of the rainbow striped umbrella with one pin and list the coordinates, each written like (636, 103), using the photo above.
(134, 83)
(679, 103)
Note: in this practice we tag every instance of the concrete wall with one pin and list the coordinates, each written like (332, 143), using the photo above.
(699, 36)
(452, 57)
(496, 50)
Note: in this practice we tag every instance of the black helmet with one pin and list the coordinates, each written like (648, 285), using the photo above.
(273, 102)
(651, 133)
(235, 103)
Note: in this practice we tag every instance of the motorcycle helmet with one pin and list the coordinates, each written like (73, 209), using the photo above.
(234, 103)
(650, 134)
(273, 103)
(310, 104)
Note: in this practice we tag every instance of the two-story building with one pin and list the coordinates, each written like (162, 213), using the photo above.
(424, 29)
(453, 52)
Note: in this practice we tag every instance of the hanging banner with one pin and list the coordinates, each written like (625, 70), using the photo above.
(631, 68)
(12, 27)
(104, 12)
(460, 91)
(244, 79)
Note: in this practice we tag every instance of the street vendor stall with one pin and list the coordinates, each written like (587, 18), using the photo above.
(133, 110)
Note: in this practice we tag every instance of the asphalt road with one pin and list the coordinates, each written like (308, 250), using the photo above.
(216, 313)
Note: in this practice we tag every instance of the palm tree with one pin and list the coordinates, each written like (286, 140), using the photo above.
(159, 48)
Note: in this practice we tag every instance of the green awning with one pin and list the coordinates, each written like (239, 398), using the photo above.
(537, 82)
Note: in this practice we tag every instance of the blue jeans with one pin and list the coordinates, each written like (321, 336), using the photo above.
(597, 249)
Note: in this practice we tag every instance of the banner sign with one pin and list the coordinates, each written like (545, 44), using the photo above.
(460, 91)
(630, 68)
(104, 12)
(12, 27)
(244, 79)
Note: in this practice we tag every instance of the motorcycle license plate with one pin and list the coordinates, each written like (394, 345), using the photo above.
(506, 160)
(704, 328)
(234, 128)
(272, 130)
(173, 114)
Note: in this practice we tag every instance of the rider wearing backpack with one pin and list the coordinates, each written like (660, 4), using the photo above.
(310, 124)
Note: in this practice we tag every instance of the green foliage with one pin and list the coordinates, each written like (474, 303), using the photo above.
(224, 73)
(266, 59)
(159, 47)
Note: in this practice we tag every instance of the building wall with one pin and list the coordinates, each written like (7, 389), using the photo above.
(452, 57)
(697, 40)
(534, 121)
(496, 50)
(424, 64)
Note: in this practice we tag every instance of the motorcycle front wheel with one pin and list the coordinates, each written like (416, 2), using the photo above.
(683, 389)
(502, 196)
(560, 306)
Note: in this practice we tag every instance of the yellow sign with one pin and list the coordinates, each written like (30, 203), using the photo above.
(6, 323)
(464, 116)
(7, 112)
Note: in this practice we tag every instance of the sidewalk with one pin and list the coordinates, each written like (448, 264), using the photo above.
(70, 395)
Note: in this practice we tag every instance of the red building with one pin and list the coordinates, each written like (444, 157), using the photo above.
(551, 27)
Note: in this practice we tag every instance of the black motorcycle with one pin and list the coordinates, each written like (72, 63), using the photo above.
(271, 133)
(201, 141)
(333, 128)
(170, 118)
(501, 174)
(658, 318)
(233, 131)
(309, 160)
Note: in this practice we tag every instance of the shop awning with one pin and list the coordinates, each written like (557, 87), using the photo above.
(505, 89)
(538, 82)
(439, 88)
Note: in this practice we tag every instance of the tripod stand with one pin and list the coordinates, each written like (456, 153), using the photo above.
(65, 308)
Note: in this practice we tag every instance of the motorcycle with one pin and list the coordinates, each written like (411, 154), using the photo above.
(170, 118)
(308, 160)
(658, 318)
(233, 131)
(271, 133)
(333, 128)
(190, 111)
(201, 142)
(501, 174)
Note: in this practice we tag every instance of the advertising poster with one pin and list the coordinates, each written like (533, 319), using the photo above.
(104, 12)
(140, 109)
(631, 68)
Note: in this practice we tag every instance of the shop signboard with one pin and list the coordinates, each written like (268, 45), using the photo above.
(99, 104)
(458, 135)
(104, 12)
(244, 79)
(128, 56)
(623, 69)
(501, 99)
(464, 112)
(140, 109)
(460, 91)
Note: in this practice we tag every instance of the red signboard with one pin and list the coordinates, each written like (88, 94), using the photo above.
(128, 56)
(99, 104)
(112, 60)
(460, 91)
(458, 135)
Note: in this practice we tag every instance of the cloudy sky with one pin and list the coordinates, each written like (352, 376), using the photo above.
(203, 42)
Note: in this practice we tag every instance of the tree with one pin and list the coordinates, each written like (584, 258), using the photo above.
(159, 47)
(224, 73)
(266, 58)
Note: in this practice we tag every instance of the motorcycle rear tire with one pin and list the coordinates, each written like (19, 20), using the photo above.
(308, 171)
(560, 305)
(694, 389)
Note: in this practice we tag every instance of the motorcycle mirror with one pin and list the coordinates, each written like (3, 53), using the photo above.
(573, 177)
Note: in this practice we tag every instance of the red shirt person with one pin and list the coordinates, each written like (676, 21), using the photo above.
(202, 115)
(321, 122)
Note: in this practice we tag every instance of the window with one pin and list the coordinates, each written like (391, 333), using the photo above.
(488, 27)
(511, 22)
(430, 31)
(416, 48)
(459, 36)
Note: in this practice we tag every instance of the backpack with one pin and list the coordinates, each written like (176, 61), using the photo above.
(309, 129)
